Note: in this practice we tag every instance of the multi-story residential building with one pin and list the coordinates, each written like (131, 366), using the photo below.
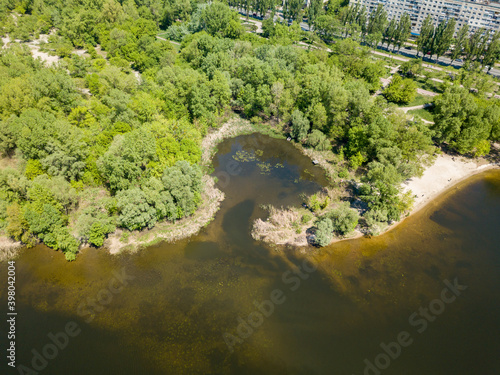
(476, 13)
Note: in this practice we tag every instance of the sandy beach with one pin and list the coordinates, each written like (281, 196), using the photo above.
(446, 171)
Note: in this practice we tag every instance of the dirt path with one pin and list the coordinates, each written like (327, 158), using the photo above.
(256, 23)
(406, 109)
(426, 92)
(166, 40)
(34, 46)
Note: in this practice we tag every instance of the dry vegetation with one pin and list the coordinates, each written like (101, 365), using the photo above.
(294, 226)
(283, 227)
(8, 248)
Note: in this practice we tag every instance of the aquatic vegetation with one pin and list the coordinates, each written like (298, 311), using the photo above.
(265, 168)
(244, 156)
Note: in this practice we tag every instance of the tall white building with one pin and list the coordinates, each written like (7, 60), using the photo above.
(476, 13)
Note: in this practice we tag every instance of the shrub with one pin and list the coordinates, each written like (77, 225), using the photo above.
(343, 173)
(324, 231)
(344, 218)
(306, 218)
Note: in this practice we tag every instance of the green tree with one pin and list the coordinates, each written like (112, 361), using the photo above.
(314, 10)
(268, 27)
(343, 218)
(127, 158)
(390, 32)
(218, 19)
(443, 38)
(401, 90)
(460, 121)
(318, 140)
(411, 68)
(135, 211)
(318, 116)
(324, 231)
(377, 22)
(424, 40)
(300, 125)
(492, 53)
(292, 9)
(475, 45)
(460, 42)
(183, 182)
(403, 31)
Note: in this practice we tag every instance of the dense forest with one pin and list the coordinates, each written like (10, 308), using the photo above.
(111, 137)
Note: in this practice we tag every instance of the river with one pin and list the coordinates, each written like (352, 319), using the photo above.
(178, 308)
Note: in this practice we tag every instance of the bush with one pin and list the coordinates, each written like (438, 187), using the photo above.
(374, 220)
(318, 140)
(343, 173)
(401, 90)
(306, 218)
(356, 160)
(314, 203)
(324, 231)
(33, 169)
(344, 218)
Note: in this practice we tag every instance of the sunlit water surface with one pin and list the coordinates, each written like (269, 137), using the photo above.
(182, 301)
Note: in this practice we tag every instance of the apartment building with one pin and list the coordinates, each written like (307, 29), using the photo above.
(478, 13)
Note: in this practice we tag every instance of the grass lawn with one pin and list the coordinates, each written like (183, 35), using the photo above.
(249, 26)
(419, 100)
(429, 85)
(423, 113)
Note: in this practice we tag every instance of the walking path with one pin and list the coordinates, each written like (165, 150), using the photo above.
(406, 109)
(256, 23)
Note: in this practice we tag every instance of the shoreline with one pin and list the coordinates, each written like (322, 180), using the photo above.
(445, 173)
(122, 240)
(431, 191)
(437, 179)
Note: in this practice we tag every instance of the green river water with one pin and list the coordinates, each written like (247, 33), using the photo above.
(179, 305)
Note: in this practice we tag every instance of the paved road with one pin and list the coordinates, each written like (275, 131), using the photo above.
(408, 53)
(444, 61)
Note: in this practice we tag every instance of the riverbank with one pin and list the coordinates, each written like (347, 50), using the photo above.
(446, 172)
(122, 240)
(292, 226)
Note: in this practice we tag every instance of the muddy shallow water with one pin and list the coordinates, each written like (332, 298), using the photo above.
(174, 308)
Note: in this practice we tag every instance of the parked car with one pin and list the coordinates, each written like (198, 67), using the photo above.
(459, 60)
